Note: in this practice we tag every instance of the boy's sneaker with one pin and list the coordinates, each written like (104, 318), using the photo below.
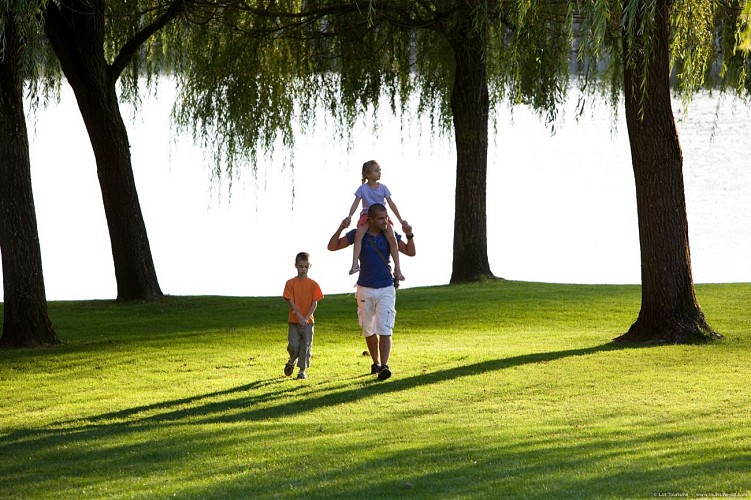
(375, 369)
(302, 375)
(289, 368)
(384, 373)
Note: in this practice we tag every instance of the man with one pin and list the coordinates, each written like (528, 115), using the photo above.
(376, 295)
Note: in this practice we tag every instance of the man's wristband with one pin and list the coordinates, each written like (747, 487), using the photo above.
(410, 236)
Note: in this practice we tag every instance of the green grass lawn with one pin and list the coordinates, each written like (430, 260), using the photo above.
(500, 389)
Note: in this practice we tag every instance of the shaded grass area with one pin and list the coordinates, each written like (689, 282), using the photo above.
(500, 389)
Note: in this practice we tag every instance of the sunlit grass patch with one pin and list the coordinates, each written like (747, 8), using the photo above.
(500, 389)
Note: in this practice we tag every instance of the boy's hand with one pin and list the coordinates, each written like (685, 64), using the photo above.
(345, 223)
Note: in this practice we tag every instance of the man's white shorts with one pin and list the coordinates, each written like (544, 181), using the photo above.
(376, 310)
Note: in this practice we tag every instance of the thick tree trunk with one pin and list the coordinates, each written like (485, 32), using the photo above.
(669, 312)
(25, 319)
(76, 32)
(470, 108)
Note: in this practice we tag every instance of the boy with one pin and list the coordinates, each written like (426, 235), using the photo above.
(302, 294)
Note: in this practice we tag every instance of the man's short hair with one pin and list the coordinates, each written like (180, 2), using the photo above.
(375, 208)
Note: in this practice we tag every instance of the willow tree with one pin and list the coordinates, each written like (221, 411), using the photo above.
(95, 42)
(645, 37)
(669, 311)
(277, 65)
(25, 319)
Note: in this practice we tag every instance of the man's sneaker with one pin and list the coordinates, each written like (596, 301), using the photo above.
(289, 368)
(302, 375)
(384, 373)
(375, 369)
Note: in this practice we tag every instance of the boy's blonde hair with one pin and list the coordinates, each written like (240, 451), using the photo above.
(302, 257)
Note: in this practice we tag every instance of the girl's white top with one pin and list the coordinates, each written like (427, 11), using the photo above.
(370, 195)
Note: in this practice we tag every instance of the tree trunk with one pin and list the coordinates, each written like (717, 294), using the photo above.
(470, 109)
(669, 312)
(25, 319)
(75, 30)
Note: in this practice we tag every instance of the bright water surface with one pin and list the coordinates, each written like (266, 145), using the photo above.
(560, 208)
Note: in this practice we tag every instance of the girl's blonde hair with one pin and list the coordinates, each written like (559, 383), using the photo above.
(366, 167)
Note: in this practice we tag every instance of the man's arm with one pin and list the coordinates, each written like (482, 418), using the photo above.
(408, 247)
(337, 242)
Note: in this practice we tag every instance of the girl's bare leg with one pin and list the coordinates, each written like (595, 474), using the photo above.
(359, 234)
(394, 248)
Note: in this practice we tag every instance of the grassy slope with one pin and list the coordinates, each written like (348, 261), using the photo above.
(499, 389)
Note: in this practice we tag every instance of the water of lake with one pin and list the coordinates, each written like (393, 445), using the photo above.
(560, 208)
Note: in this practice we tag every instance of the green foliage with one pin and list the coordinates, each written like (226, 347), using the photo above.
(537, 56)
(707, 47)
(158, 55)
(500, 389)
(253, 80)
(744, 40)
(24, 16)
(599, 52)
(735, 45)
(254, 75)
(704, 44)
(693, 41)
(38, 67)
(236, 96)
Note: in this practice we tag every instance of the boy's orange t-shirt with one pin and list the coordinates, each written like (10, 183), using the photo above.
(303, 292)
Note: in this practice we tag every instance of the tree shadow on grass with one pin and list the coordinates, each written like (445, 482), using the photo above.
(373, 386)
(131, 414)
(80, 441)
(529, 466)
(246, 403)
